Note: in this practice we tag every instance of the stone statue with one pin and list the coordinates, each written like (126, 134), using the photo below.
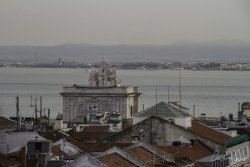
(105, 75)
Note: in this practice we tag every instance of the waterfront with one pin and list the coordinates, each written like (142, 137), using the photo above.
(212, 92)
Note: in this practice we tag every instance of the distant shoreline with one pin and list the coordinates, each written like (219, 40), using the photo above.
(138, 69)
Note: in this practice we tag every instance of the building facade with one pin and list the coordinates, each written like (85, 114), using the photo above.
(103, 94)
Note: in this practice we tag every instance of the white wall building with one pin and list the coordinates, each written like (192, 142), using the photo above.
(14, 141)
(239, 154)
(102, 94)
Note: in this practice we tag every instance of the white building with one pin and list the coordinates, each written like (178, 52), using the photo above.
(238, 148)
(102, 94)
(14, 141)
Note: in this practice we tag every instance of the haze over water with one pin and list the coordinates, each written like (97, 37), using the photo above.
(212, 92)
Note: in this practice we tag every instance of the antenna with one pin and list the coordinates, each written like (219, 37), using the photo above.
(36, 57)
(156, 99)
(168, 93)
(180, 85)
(17, 111)
(102, 55)
(35, 109)
(194, 111)
(41, 106)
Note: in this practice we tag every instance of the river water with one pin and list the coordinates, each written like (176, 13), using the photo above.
(212, 92)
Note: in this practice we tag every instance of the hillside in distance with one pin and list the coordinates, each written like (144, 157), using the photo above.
(223, 50)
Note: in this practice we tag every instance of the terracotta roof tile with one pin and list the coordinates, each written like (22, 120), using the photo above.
(5, 122)
(115, 160)
(96, 129)
(88, 136)
(145, 156)
(53, 135)
(197, 151)
(58, 152)
(12, 159)
(209, 133)
(98, 147)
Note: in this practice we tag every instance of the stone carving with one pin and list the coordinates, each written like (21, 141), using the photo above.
(105, 75)
(95, 105)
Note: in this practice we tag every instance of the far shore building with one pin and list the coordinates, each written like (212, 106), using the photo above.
(102, 96)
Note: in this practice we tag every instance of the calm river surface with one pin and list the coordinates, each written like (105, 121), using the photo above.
(212, 92)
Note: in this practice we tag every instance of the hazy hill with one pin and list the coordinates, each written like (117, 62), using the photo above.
(203, 51)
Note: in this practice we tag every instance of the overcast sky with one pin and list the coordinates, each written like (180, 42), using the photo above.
(52, 22)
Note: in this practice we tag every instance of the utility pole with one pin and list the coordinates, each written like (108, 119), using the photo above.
(36, 57)
(194, 111)
(17, 111)
(180, 85)
(44, 110)
(168, 93)
(41, 106)
(156, 99)
(35, 110)
(48, 115)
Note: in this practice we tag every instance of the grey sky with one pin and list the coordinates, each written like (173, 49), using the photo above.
(52, 22)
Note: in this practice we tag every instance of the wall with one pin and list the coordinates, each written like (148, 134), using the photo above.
(80, 101)
(159, 132)
(155, 131)
(239, 153)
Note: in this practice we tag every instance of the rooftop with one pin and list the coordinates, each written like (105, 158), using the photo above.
(98, 147)
(53, 135)
(116, 157)
(193, 152)
(163, 110)
(209, 133)
(146, 156)
(115, 160)
(7, 123)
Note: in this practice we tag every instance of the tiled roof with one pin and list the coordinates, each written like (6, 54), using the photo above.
(96, 129)
(88, 136)
(115, 160)
(128, 130)
(98, 147)
(141, 154)
(196, 151)
(87, 160)
(56, 150)
(164, 110)
(53, 135)
(5, 122)
(146, 157)
(12, 159)
(209, 133)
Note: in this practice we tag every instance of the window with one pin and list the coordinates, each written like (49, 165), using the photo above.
(233, 156)
(237, 156)
(245, 152)
(38, 146)
(241, 153)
